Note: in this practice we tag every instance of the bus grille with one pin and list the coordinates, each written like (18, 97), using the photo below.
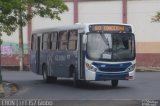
(112, 67)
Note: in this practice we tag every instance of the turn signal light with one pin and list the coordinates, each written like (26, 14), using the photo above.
(91, 67)
(129, 77)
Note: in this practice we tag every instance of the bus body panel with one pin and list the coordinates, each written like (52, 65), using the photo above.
(58, 62)
(119, 68)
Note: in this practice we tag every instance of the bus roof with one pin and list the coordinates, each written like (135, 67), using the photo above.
(59, 28)
(81, 26)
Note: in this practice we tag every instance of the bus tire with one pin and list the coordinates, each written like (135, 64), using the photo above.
(53, 79)
(46, 78)
(114, 83)
(76, 82)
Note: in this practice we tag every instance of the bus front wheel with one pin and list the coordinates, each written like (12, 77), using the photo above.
(114, 83)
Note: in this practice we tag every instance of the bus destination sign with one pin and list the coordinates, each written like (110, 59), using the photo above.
(110, 28)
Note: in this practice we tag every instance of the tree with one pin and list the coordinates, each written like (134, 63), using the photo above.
(13, 14)
(156, 18)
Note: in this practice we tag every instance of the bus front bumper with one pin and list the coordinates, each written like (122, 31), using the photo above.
(101, 76)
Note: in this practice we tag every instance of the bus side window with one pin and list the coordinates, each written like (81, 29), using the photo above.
(45, 42)
(54, 41)
(33, 42)
(63, 41)
(72, 44)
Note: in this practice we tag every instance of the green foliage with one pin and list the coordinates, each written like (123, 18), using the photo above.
(11, 10)
(1, 41)
(156, 18)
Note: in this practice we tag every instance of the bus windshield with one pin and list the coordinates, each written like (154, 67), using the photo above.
(110, 47)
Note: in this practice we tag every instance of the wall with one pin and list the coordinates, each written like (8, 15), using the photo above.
(10, 54)
(139, 14)
(66, 19)
(147, 33)
(10, 47)
(100, 11)
(14, 38)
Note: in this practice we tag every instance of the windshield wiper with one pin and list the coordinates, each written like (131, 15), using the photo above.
(106, 41)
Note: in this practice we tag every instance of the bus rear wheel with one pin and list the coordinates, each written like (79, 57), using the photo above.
(46, 78)
(114, 83)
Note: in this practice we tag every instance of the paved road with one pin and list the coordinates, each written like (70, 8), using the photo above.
(146, 85)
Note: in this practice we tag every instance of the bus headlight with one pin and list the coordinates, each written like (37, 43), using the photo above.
(91, 67)
(131, 68)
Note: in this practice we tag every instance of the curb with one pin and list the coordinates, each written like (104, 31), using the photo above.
(1, 91)
(15, 68)
(147, 69)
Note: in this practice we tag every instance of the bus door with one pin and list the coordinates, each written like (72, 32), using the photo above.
(38, 54)
(35, 54)
(81, 58)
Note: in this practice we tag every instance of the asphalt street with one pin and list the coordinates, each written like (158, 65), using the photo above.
(31, 86)
(146, 86)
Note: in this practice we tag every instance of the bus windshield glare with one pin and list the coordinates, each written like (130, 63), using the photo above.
(110, 47)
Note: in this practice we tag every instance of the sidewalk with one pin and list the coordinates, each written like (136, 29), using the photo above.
(9, 89)
(147, 69)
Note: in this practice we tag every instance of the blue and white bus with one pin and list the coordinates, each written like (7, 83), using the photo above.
(84, 52)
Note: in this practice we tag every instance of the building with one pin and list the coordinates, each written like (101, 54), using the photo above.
(135, 12)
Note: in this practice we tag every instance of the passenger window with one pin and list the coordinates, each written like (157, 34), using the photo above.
(54, 41)
(45, 42)
(72, 44)
(63, 41)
